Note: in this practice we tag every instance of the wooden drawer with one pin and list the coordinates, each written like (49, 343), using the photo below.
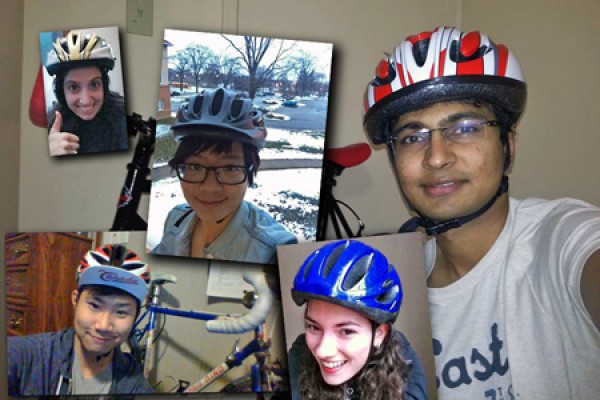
(15, 320)
(16, 281)
(16, 250)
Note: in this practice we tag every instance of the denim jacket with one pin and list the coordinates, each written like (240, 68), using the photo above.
(416, 384)
(251, 236)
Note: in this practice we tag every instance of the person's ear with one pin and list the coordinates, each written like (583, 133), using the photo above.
(74, 296)
(380, 334)
(511, 142)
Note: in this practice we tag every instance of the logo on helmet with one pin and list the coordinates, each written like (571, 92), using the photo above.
(111, 276)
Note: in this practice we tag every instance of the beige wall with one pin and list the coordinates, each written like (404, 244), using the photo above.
(11, 32)
(554, 41)
(556, 44)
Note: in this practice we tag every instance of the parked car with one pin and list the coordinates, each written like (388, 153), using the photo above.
(290, 103)
(270, 101)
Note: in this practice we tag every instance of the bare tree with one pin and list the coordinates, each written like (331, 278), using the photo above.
(199, 57)
(230, 66)
(252, 54)
(303, 65)
(180, 64)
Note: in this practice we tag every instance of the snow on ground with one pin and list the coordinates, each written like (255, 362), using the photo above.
(291, 196)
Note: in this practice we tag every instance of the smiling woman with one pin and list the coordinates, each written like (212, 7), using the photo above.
(87, 117)
(349, 349)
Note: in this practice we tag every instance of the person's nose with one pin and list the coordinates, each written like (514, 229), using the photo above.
(327, 346)
(85, 97)
(104, 322)
(439, 152)
(211, 183)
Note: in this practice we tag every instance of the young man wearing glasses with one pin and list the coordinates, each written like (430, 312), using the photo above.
(217, 158)
(513, 284)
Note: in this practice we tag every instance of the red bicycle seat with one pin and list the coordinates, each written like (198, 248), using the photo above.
(349, 156)
(37, 103)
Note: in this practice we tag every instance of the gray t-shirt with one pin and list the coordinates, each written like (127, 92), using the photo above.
(99, 384)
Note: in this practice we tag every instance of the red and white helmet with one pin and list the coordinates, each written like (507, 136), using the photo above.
(115, 266)
(442, 65)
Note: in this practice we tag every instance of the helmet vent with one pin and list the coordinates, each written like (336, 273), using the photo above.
(357, 273)
(420, 50)
(332, 260)
(457, 56)
(197, 106)
(217, 102)
(236, 108)
(389, 295)
(117, 255)
(308, 266)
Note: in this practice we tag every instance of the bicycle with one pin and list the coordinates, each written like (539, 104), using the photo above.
(334, 162)
(266, 375)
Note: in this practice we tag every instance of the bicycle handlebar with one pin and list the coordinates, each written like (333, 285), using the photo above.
(253, 318)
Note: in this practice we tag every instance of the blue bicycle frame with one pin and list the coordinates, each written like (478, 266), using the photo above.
(259, 346)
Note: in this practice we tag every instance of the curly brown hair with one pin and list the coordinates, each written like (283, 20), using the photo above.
(382, 378)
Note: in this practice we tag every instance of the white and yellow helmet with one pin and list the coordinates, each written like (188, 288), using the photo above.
(79, 49)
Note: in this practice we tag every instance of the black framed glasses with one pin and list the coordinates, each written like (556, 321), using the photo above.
(226, 175)
(411, 138)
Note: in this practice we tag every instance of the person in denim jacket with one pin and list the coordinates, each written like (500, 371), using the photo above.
(217, 159)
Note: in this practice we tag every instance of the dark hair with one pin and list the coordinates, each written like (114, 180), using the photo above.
(382, 378)
(192, 145)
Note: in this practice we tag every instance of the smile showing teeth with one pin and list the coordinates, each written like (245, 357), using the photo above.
(333, 364)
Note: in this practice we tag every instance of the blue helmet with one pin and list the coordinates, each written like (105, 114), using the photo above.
(353, 275)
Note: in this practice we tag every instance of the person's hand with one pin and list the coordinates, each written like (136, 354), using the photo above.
(61, 143)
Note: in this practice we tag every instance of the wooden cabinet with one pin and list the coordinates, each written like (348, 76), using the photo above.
(40, 277)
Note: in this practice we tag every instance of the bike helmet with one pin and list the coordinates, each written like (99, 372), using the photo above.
(78, 49)
(115, 266)
(220, 114)
(442, 65)
(353, 275)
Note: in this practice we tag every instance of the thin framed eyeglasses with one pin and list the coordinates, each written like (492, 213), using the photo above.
(410, 138)
(226, 175)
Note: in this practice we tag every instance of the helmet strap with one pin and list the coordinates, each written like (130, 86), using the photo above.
(434, 228)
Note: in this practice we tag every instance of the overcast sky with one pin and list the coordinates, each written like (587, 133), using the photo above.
(180, 39)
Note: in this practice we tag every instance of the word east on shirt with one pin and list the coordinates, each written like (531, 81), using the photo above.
(515, 326)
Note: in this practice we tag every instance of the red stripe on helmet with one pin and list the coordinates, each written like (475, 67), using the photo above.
(501, 60)
(442, 62)
(474, 67)
(400, 70)
(419, 36)
(382, 91)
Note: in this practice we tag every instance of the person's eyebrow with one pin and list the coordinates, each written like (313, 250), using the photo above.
(463, 115)
(338, 325)
(444, 121)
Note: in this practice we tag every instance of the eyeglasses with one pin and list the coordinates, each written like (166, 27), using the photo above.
(411, 138)
(226, 175)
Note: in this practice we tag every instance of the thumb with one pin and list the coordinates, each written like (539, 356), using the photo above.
(56, 126)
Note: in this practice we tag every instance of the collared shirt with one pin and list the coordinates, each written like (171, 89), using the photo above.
(251, 236)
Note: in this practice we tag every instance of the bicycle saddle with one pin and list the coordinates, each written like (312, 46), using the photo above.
(348, 156)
